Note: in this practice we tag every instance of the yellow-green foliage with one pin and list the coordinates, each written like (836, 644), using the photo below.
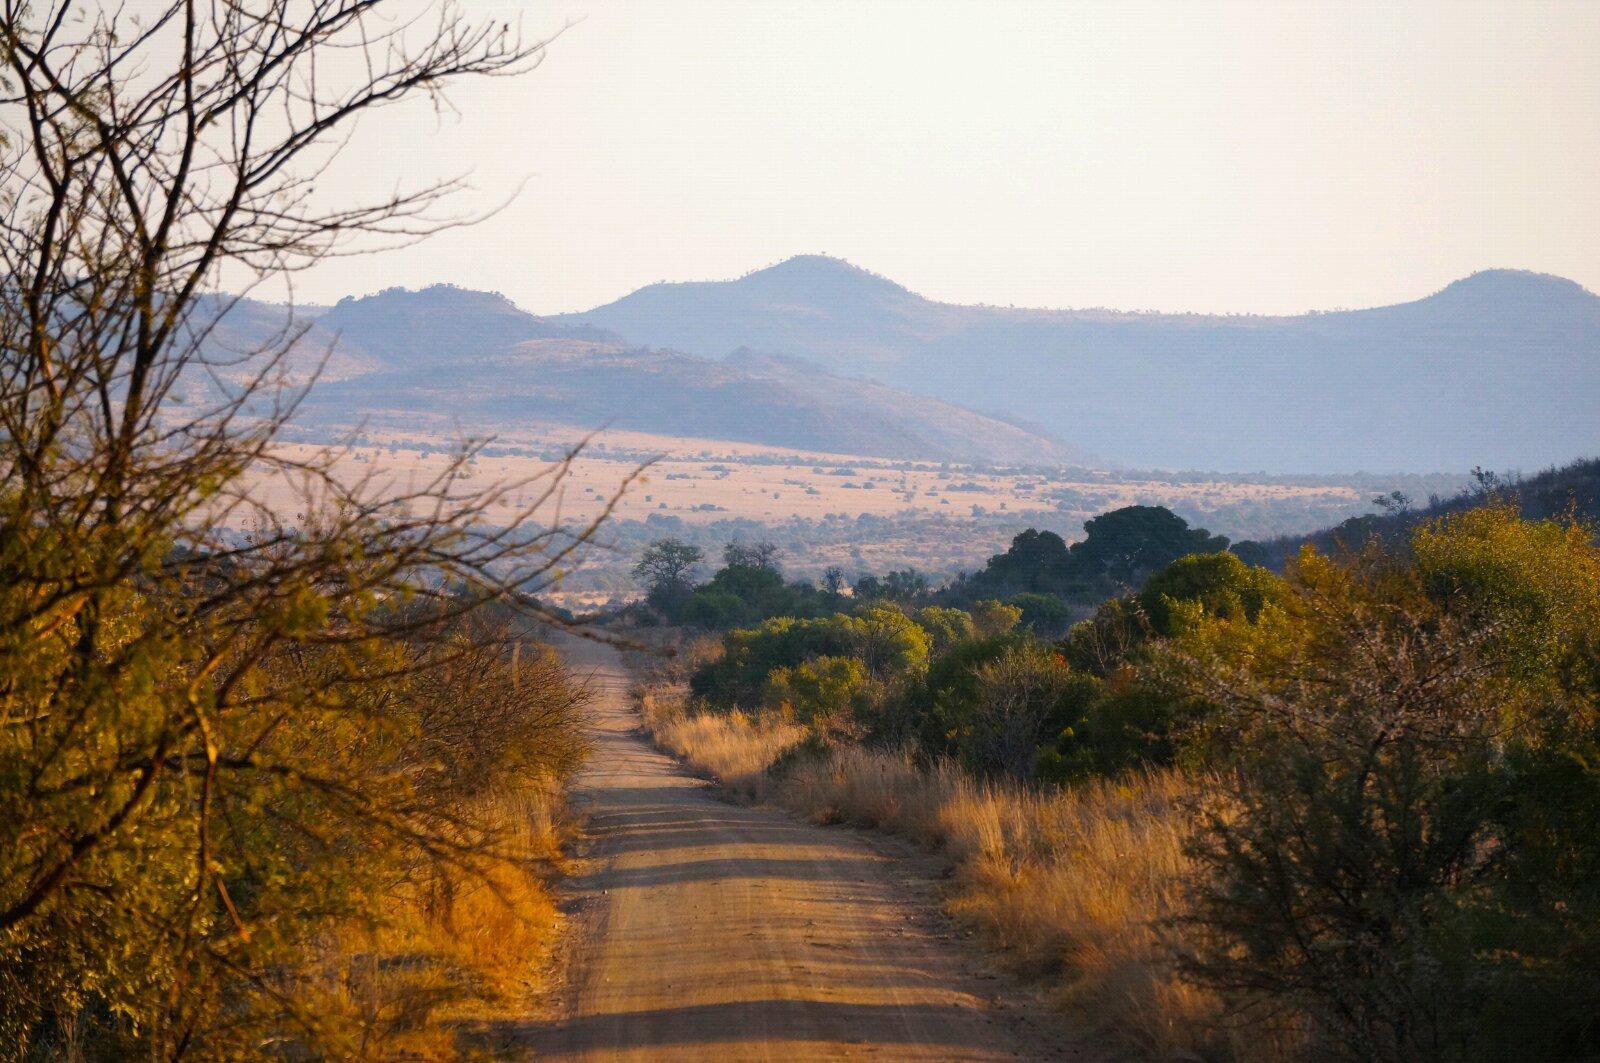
(886, 641)
(1214, 585)
(945, 626)
(1400, 843)
(819, 688)
(991, 618)
(204, 845)
(1537, 583)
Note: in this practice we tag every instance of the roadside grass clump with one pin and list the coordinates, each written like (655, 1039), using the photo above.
(1074, 887)
(735, 748)
(468, 922)
(455, 947)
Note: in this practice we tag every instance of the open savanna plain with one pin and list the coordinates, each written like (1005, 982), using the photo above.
(858, 512)
(706, 480)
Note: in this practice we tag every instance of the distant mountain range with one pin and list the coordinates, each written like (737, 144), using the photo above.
(447, 356)
(1500, 369)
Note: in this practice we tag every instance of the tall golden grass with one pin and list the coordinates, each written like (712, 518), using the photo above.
(1073, 887)
(734, 748)
(455, 947)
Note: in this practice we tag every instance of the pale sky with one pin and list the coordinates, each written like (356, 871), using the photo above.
(1271, 157)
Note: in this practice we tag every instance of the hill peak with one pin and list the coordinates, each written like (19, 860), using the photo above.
(821, 276)
(439, 323)
(1503, 289)
(433, 298)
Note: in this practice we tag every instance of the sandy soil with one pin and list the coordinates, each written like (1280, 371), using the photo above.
(706, 930)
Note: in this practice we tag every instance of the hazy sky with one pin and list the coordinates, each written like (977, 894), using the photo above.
(1271, 156)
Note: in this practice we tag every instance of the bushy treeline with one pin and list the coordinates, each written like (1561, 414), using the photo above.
(1119, 549)
(1393, 855)
(747, 589)
(1567, 491)
(1052, 583)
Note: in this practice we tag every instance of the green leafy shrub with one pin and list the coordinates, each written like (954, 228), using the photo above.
(833, 695)
(1395, 845)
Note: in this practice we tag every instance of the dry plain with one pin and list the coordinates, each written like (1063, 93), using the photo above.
(709, 480)
(863, 514)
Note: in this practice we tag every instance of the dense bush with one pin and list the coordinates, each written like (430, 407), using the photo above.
(833, 695)
(743, 594)
(1218, 585)
(746, 590)
(929, 679)
(884, 639)
(1398, 848)
(738, 675)
(334, 814)
(1390, 764)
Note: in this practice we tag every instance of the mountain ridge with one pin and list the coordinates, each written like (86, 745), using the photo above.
(1501, 367)
(397, 356)
(815, 266)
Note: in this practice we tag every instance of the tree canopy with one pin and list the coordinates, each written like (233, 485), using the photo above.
(1119, 550)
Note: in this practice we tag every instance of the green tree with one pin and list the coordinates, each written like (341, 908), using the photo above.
(833, 581)
(1119, 550)
(991, 617)
(1218, 584)
(1023, 698)
(835, 695)
(744, 594)
(1340, 850)
(903, 586)
(945, 626)
(947, 693)
(749, 655)
(1108, 641)
(1401, 844)
(762, 555)
(1036, 562)
(887, 641)
(1537, 583)
(1046, 615)
(1126, 545)
(667, 568)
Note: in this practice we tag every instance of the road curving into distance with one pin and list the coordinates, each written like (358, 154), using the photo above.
(701, 929)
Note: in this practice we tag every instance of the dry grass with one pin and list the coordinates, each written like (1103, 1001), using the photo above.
(772, 485)
(455, 947)
(733, 748)
(1072, 887)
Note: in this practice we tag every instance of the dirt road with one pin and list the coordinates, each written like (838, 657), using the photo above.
(707, 930)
